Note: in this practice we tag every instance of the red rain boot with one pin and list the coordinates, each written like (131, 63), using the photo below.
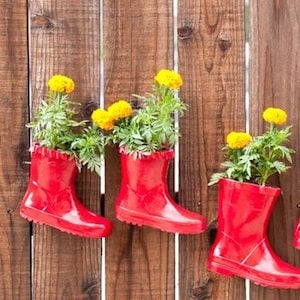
(297, 236)
(51, 199)
(241, 247)
(144, 198)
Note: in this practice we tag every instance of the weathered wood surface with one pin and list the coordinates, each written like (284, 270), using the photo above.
(274, 81)
(14, 231)
(64, 39)
(138, 42)
(211, 61)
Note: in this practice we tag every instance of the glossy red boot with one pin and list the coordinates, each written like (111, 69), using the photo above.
(241, 247)
(50, 198)
(144, 198)
(297, 236)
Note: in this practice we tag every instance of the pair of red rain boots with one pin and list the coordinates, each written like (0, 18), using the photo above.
(143, 199)
(241, 247)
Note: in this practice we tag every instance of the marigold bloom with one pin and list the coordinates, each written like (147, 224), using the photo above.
(238, 140)
(120, 110)
(61, 84)
(169, 79)
(275, 115)
(103, 119)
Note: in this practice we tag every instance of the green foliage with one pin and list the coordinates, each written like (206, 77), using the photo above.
(266, 155)
(88, 147)
(152, 127)
(55, 128)
(53, 123)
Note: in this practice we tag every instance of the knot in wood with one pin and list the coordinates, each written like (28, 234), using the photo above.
(10, 211)
(204, 291)
(88, 109)
(185, 32)
(136, 103)
(212, 232)
(209, 65)
(42, 21)
(224, 42)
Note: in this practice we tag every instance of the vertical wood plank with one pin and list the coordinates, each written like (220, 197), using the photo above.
(274, 81)
(14, 231)
(138, 42)
(65, 40)
(211, 61)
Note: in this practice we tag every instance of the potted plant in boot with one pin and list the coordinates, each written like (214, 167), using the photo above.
(146, 138)
(63, 146)
(245, 204)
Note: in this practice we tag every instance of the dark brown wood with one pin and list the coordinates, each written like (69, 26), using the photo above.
(65, 39)
(14, 231)
(274, 81)
(138, 42)
(211, 62)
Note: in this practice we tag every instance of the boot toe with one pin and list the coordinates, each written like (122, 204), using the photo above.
(297, 242)
(93, 225)
(193, 224)
(185, 221)
(101, 230)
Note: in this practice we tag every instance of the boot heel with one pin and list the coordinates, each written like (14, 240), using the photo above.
(129, 219)
(219, 270)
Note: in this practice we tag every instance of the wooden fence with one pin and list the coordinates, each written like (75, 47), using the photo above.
(112, 48)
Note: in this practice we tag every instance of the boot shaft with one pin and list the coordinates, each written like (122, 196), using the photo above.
(245, 208)
(147, 172)
(52, 170)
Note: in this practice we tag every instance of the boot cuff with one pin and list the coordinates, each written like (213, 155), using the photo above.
(46, 152)
(168, 154)
(250, 187)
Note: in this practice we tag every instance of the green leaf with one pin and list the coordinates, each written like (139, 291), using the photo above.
(215, 178)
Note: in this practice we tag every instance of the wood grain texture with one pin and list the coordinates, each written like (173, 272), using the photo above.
(14, 231)
(138, 42)
(65, 40)
(211, 62)
(274, 81)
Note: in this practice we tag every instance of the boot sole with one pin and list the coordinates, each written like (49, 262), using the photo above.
(230, 271)
(33, 216)
(130, 217)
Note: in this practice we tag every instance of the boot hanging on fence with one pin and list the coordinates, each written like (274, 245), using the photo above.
(241, 247)
(144, 198)
(50, 198)
(297, 236)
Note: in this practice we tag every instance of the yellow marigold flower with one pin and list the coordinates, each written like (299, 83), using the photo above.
(238, 140)
(169, 79)
(275, 115)
(61, 84)
(120, 110)
(103, 119)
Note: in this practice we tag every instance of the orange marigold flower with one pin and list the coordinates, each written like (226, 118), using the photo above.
(275, 115)
(103, 119)
(238, 140)
(169, 79)
(120, 110)
(61, 84)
